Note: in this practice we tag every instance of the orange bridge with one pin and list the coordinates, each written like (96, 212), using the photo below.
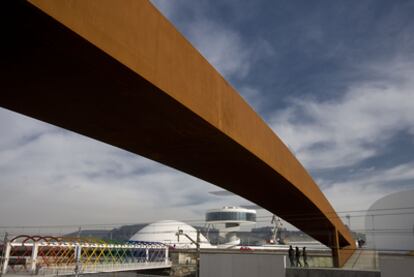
(119, 72)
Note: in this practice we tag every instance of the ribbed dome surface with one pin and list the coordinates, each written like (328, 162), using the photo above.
(165, 231)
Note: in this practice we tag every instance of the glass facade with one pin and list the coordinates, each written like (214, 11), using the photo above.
(236, 216)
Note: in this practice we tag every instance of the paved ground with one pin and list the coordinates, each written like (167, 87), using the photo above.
(363, 259)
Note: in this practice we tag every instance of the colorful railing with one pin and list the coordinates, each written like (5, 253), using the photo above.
(41, 255)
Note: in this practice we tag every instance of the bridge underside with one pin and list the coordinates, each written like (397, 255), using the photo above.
(51, 73)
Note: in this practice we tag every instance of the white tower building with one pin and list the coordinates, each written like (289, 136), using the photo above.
(228, 220)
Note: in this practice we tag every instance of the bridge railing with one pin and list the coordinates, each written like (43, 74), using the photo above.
(60, 256)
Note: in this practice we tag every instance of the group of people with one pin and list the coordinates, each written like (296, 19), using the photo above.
(294, 257)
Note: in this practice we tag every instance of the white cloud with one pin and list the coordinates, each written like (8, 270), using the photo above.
(14, 132)
(59, 177)
(252, 96)
(359, 192)
(166, 7)
(369, 185)
(222, 47)
(347, 131)
(358, 126)
(225, 48)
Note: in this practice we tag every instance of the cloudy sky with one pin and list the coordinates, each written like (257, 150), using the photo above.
(334, 79)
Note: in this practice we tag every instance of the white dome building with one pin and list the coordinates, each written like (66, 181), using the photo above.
(390, 222)
(165, 231)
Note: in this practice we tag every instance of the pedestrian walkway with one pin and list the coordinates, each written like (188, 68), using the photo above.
(363, 259)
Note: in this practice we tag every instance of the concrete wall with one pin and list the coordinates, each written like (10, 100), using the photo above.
(329, 272)
(241, 265)
(392, 266)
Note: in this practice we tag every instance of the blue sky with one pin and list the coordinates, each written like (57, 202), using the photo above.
(332, 78)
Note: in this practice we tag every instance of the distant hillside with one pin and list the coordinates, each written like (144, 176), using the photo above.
(97, 234)
(121, 234)
(124, 233)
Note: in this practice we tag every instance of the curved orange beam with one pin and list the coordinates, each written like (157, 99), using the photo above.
(118, 71)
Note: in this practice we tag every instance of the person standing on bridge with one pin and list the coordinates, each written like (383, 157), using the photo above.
(291, 256)
(297, 254)
(305, 257)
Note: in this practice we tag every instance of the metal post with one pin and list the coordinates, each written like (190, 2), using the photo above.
(78, 253)
(373, 241)
(146, 255)
(33, 261)
(2, 254)
(198, 253)
(348, 217)
(373, 232)
(166, 254)
(6, 257)
(197, 243)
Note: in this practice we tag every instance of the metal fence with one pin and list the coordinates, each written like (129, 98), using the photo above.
(42, 255)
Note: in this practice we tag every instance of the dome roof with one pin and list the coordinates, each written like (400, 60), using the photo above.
(389, 222)
(165, 231)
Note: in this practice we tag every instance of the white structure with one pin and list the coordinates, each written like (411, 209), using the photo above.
(165, 231)
(389, 222)
(277, 224)
(231, 216)
(228, 220)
